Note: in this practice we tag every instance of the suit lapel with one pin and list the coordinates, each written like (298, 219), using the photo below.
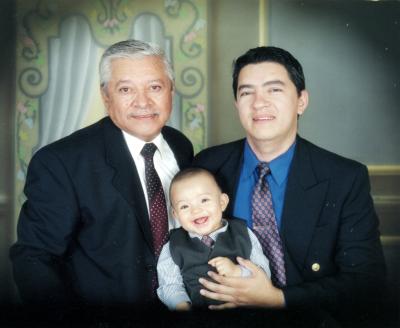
(181, 152)
(304, 199)
(126, 179)
(230, 170)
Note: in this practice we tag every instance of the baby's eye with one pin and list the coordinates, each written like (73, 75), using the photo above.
(205, 200)
(183, 207)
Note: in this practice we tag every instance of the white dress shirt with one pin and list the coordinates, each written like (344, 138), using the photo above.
(164, 163)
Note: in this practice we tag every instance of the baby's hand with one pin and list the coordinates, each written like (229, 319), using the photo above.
(183, 306)
(225, 266)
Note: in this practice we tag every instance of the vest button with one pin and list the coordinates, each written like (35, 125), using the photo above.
(315, 267)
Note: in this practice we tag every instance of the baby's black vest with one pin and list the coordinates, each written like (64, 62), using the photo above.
(192, 255)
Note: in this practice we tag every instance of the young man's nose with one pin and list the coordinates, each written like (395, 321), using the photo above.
(261, 100)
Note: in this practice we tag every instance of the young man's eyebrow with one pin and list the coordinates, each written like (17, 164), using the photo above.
(245, 86)
(266, 83)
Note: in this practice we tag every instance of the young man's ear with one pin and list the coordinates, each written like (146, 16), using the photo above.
(303, 102)
(224, 200)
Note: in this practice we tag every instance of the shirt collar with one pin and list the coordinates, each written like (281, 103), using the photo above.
(213, 234)
(279, 166)
(135, 144)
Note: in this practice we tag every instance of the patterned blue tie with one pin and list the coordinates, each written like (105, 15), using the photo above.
(265, 227)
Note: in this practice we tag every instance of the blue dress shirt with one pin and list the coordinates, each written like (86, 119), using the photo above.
(277, 181)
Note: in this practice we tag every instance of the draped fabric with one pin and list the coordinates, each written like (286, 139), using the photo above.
(72, 75)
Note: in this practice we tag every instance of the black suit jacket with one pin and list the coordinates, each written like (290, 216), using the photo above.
(332, 249)
(84, 233)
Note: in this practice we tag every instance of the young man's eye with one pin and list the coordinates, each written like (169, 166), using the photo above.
(276, 90)
(244, 93)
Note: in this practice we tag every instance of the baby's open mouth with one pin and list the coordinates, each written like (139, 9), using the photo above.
(201, 220)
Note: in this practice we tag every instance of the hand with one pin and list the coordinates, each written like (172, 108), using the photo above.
(225, 267)
(256, 290)
(183, 306)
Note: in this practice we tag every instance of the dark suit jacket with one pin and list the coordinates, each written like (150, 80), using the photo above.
(328, 220)
(84, 233)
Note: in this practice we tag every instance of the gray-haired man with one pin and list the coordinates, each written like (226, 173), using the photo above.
(90, 228)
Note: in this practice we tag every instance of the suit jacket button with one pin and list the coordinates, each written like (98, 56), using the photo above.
(315, 267)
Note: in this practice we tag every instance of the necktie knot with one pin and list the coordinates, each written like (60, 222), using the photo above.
(263, 170)
(148, 150)
(206, 239)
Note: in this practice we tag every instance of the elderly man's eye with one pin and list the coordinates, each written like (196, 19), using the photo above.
(124, 90)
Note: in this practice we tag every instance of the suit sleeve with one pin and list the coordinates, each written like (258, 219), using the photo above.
(358, 256)
(46, 224)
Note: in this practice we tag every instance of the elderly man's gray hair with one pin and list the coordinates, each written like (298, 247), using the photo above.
(131, 49)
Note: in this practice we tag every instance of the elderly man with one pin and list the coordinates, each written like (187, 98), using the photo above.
(96, 214)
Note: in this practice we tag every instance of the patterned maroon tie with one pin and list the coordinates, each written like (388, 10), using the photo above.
(157, 203)
(265, 227)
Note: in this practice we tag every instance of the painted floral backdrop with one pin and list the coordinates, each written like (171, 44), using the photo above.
(184, 24)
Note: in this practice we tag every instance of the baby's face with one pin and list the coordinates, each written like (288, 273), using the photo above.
(198, 204)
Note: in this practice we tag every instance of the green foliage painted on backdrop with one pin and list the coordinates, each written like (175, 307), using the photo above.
(184, 21)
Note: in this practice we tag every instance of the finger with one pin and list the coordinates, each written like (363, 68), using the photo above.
(216, 287)
(214, 261)
(217, 296)
(222, 306)
(223, 280)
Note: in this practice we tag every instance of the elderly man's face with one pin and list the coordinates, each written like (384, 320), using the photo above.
(138, 96)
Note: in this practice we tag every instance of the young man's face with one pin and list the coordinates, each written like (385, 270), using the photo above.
(268, 103)
(198, 203)
(138, 96)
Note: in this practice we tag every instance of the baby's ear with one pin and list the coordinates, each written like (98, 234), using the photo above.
(173, 213)
(224, 200)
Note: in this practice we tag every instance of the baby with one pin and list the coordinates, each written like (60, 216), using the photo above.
(205, 241)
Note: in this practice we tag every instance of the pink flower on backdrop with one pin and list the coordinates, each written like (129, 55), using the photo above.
(27, 41)
(21, 107)
(190, 37)
(114, 22)
(200, 108)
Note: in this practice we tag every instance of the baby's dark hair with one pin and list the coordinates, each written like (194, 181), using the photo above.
(190, 172)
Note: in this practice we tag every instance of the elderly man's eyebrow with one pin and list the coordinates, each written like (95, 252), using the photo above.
(123, 81)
